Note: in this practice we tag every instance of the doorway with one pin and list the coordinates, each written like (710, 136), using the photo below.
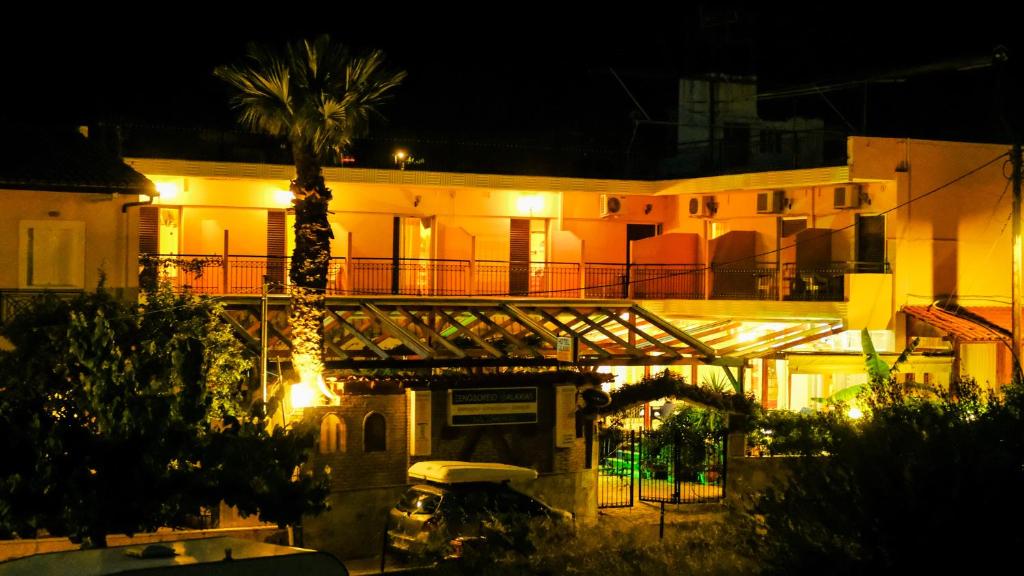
(869, 250)
(527, 253)
(411, 249)
(635, 232)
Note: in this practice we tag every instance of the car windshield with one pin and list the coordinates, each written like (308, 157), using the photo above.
(418, 502)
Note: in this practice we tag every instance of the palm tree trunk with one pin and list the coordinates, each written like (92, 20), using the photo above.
(309, 266)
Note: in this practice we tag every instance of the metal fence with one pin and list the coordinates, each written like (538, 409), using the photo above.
(678, 470)
(543, 279)
(15, 301)
(196, 273)
(827, 282)
(757, 281)
(659, 281)
(409, 276)
(244, 274)
(602, 280)
(234, 274)
(616, 468)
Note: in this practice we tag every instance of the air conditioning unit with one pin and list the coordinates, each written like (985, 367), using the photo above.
(703, 206)
(611, 205)
(771, 202)
(847, 196)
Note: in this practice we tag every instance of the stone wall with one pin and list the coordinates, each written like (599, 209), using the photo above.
(366, 485)
(354, 526)
(351, 466)
(529, 445)
(572, 491)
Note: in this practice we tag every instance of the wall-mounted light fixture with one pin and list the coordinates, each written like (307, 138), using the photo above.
(283, 198)
(530, 203)
(168, 191)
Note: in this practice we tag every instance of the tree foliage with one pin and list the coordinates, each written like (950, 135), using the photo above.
(318, 95)
(917, 484)
(114, 415)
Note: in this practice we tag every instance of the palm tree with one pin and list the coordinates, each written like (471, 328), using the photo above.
(319, 96)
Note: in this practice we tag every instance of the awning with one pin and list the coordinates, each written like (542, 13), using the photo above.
(997, 316)
(801, 363)
(966, 325)
(755, 339)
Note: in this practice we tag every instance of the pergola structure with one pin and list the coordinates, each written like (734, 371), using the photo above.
(411, 332)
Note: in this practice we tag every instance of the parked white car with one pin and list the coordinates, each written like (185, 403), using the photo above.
(459, 504)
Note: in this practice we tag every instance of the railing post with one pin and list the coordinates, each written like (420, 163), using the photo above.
(225, 288)
(779, 280)
(348, 284)
(471, 289)
(583, 272)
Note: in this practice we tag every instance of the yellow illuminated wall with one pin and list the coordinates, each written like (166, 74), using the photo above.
(110, 235)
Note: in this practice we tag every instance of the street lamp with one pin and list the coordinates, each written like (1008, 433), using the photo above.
(401, 157)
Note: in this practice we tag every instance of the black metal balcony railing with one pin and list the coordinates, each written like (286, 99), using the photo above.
(409, 276)
(15, 301)
(644, 281)
(756, 281)
(601, 280)
(244, 274)
(824, 282)
(543, 279)
(667, 281)
(234, 274)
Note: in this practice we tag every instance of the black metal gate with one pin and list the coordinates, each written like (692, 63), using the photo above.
(678, 468)
(616, 468)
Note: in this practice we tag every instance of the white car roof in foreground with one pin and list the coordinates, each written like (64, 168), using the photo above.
(455, 472)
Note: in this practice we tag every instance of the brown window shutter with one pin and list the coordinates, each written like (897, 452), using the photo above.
(275, 233)
(519, 257)
(276, 246)
(149, 230)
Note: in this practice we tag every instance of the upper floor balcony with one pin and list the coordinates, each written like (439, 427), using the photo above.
(245, 275)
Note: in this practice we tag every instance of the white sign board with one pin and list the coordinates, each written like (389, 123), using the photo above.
(565, 349)
(419, 422)
(565, 416)
(478, 406)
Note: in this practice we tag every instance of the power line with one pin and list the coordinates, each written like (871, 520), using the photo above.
(777, 250)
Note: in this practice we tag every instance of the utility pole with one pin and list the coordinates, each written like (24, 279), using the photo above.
(263, 341)
(1004, 96)
(1018, 265)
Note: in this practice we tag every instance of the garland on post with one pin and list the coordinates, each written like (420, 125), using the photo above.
(395, 383)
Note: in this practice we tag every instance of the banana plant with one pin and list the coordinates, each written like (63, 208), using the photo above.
(878, 369)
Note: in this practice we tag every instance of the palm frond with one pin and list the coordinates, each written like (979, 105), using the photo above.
(263, 89)
(314, 91)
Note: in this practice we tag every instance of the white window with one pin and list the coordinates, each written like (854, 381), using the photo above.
(51, 254)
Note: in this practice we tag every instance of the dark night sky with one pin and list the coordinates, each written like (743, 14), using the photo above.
(526, 77)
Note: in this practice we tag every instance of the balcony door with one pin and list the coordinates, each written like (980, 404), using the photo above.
(870, 244)
(410, 256)
(527, 252)
(634, 232)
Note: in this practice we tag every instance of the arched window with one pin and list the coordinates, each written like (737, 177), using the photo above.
(332, 434)
(374, 433)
